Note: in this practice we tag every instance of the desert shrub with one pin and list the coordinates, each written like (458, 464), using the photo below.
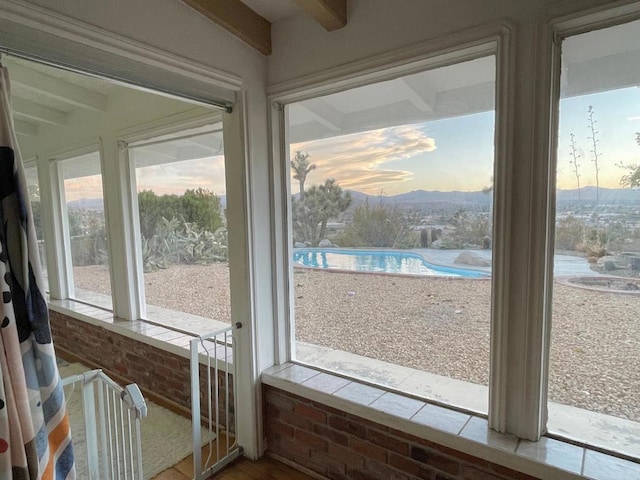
(378, 225)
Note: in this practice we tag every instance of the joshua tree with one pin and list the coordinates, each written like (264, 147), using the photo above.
(301, 166)
(574, 162)
(322, 202)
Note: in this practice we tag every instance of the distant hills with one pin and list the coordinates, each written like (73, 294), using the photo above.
(433, 199)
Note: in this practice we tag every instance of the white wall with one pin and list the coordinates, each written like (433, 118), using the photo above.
(301, 47)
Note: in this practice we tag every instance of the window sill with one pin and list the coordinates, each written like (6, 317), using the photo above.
(547, 459)
(174, 338)
(573, 423)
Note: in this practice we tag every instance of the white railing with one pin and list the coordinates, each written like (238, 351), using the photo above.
(112, 445)
(218, 380)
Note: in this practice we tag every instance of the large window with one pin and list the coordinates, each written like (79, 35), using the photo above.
(595, 357)
(33, 185)
(181, 205)
(391, 230)
(85, 229)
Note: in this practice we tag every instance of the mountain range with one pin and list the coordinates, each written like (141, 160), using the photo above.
(437, 199)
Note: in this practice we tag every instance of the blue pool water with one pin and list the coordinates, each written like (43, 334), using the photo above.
(376, 261)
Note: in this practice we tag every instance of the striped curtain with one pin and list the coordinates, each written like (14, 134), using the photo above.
(35, 441)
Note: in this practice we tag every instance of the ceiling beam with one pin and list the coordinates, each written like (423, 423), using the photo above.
(25, 128)
(323, 113)
(331, 14)
(44, 85)
(30, 111)
(235, 17)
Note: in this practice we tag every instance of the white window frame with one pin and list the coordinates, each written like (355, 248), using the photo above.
(492, 40)
(559, 30)
(524, 197)
(57, 237)
(130, 139)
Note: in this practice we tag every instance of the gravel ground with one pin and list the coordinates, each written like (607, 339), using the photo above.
(440, 325)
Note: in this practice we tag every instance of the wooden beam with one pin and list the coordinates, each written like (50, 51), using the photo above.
(331, 14)
(235, 17)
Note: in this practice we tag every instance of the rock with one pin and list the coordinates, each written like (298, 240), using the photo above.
(324, 243)
(613, 262)
(486, 242)
(436, 244)
(472, 258)
(299, 245)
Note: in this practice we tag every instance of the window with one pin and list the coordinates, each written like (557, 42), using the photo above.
(181, 189)
(596, 293)
(391, 194)
(85, 229)
(31, 174)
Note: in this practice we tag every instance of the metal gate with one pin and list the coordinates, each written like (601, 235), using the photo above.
(112, 414)
(213, 384)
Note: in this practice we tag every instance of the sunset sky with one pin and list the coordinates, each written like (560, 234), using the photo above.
(451, 154)
(457, 153)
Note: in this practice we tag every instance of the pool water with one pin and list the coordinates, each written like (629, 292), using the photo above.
(407, 263)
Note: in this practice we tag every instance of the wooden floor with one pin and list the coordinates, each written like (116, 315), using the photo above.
(240, 469)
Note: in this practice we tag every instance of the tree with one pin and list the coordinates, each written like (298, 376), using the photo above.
(301, 166)
(377, 225)
(632, 178)
(199, 206)
(321, 203)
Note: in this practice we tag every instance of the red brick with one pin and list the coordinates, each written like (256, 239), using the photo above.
(313, 441)
(346, 456)
(472, 473)
(348, 426)
(407, 465)
(335, 467)
(390, 443)
(297, 421)
(435, 460)
(330, 434)
(311, 413)
(369, 450)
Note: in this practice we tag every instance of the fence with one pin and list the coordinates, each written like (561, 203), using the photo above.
(110, 445)
(218, 391)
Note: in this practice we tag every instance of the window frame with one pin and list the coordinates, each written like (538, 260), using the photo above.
(494, 40)
(559, 30)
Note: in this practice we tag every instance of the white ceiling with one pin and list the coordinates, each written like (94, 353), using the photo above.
(46, 97)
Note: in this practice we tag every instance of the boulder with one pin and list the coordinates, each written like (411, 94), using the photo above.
(613, 262)
(299, 245)
(473, 259)
(324, 243)
(436, 244)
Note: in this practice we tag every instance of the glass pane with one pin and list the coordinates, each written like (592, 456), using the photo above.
(596, 300)
(33, 186)
(181, 201)
(87, 237)
(391, 207)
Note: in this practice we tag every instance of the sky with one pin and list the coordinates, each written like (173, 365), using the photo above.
(445, 155)
(457, 153)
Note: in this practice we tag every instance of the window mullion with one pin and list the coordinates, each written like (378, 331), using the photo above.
(119, 232)
(519, 364)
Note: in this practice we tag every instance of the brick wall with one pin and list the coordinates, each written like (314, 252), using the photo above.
(162, 376)
(341, 446)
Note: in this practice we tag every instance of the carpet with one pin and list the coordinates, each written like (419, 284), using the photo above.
(166, 436)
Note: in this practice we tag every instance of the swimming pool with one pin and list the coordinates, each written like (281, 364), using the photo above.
(384, 261)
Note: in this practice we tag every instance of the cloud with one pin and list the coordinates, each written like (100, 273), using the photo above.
(175, 178)
(357, 161)
(632, 119)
